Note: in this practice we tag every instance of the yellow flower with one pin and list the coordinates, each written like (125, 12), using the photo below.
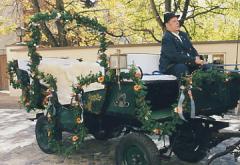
(137, 87)
(177, 110)
(157, 131)
(78, 120)
(74, 138)
(101, 79)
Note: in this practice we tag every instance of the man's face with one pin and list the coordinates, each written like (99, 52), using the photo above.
(173, 25)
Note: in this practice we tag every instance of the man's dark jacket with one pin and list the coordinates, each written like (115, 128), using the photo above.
(174, 51)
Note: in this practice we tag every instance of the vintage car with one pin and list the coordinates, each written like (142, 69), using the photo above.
(110, 109)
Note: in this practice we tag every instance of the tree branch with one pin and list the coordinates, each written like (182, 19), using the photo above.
(204, 12)
(148, 31)
(156, 15)
(185, 11)
(187, 31)
(114, 35)
(176, 5)
(50, 4)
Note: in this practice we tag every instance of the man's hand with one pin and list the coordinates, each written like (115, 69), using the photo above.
(198, 61)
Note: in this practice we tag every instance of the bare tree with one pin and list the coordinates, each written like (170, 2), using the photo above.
(186, 14)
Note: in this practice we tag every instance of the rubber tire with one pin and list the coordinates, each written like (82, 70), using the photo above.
(44, 146)
(188, 145)
(143, 142)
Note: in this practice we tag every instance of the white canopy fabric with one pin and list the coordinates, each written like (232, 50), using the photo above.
(66, 71)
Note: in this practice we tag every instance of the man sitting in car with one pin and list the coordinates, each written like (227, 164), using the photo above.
(178, 56)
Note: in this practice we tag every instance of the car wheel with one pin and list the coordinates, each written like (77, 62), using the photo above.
(188, 144)
(137, 149)
(41, 131)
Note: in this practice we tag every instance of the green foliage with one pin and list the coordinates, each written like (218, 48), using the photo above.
(12, 71)
(202, 79)
(214, 91)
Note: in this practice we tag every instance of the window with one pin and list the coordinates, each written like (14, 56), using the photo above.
(218, 58)
(215, 58)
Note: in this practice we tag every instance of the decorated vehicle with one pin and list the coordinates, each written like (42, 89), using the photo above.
(121, 93)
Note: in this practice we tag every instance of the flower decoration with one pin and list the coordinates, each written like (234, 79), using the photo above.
(157, 131)
(75, 138)
(101, 79)
(137, 87)
(78, 120)
(177, 110)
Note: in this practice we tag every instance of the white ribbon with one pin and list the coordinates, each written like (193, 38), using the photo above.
(179, 107)
(193, 109)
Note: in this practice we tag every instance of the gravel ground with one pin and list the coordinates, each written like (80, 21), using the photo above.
(18, 145)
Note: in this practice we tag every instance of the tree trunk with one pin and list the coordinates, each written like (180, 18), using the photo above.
(60, 25)
(45, 29)
(185, 11)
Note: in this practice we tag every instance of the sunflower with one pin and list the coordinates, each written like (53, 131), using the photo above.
(177, 110)
(101, 79)
(137, 88)
(157, 131)
(78, 120)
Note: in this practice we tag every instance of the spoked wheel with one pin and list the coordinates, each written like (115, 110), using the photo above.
(189, 144)
(137, 149)
(41, 131)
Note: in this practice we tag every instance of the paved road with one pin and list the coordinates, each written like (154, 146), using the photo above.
(10, 102)
(18, 146)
